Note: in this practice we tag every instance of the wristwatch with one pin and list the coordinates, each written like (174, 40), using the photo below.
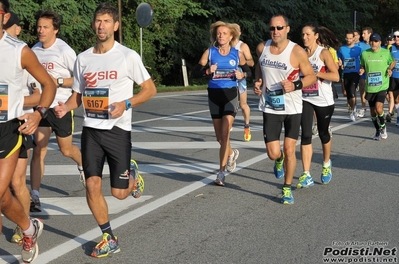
(128, 104)
(60, 82)
(42, 111)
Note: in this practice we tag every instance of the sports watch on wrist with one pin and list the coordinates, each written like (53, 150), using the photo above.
(60, 82)
(128, 104)
(42, 111)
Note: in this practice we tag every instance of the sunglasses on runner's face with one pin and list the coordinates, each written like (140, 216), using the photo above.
(2, 12)
(396, 36)
(278, 28)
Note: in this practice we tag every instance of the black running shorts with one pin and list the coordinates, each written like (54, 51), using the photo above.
(62, 127)
(113, 145)
(10, 138)
(223, 101)
(273, 124)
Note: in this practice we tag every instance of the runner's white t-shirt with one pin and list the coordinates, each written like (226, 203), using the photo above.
(103, 79)
(58, 60)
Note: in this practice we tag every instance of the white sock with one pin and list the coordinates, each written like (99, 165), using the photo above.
(31, 229)
(35, 192)
(80, 168)
(327, 164)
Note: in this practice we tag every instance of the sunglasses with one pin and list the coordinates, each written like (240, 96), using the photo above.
(278, 28)
(396, 36)
(2, 12)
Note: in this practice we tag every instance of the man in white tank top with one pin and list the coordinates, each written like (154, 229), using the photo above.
(57, 57)
(31, 94)
(242, 85)
(15, 58)
(277, 83)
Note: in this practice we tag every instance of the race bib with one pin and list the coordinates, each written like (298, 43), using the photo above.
(275, 100)
(350, 64)
(96, 102)
(311, 91)
(224, 75)
(3, 102)
(396, 68)
(374, 79)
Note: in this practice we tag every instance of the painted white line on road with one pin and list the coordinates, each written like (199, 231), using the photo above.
(78, 205)
(68, 170)
(90, 235)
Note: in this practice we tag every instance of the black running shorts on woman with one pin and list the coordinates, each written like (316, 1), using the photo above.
(223, 102)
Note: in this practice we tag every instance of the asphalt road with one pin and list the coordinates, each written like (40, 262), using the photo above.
(184, 218)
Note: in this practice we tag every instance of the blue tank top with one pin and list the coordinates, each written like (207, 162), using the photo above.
(224, 76)
(395, 55)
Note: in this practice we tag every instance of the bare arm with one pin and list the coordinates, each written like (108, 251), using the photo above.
(332, 73)
(258, 72)
(33, 99)
(30, 62)
(247, 54)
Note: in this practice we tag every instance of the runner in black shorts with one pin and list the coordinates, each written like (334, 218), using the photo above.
(223, 60)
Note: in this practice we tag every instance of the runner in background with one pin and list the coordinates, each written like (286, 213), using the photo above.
(377, 63)
(364, 45)
(242, 85)
(349, 62)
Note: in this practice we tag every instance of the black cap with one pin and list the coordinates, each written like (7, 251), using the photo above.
(375, 37)
(390, 37)
(14, 20)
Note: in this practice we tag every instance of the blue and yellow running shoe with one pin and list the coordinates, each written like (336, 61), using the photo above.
(305, 181)
(138, 187)
(107, 245)
(279, 168)
(287, 196)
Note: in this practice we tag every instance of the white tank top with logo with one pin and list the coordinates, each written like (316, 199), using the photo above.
(11, 77)
(320, 93)
(276, 68)
(106, 78)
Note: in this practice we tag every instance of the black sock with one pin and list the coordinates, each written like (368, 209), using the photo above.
(286, 185)
(106, 228)
(246, 125)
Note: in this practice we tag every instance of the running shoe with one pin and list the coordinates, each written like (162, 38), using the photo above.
(82, 177)
(377, 135)
(35, 205)
(30, 248)
(305, 181)
(247, 134)
(279, 168)
(17, 237)
(107, 245)
(220, 178)
(314, 129)
(231, 161)
(361, 112)
(388, 118)
(383, 133)
(352, 116)
(138, 187)
(287, 196)
(326, 174)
